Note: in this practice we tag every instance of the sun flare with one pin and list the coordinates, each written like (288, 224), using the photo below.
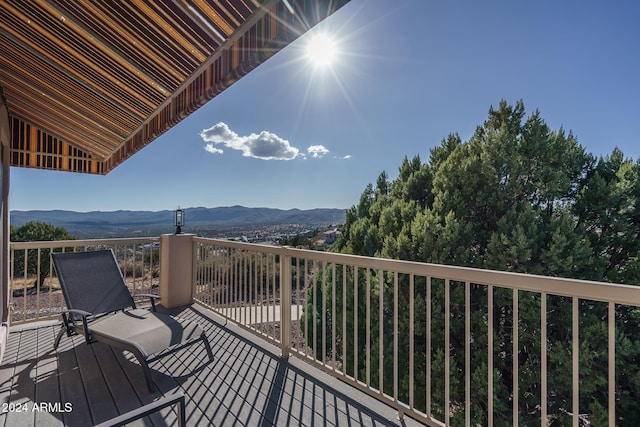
(321, 50)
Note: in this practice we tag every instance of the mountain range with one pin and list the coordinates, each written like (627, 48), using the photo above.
(100, 223)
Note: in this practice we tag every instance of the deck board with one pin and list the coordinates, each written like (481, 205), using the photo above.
(7, 373)
(23, 386)
(121, 390)
(71, 386)
(47, 388)
(134, 374)
(101, 403)
(246, 384)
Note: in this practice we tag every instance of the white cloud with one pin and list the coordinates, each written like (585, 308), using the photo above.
(317, 151)
(348, 156)
(211, 148)
(265, 145)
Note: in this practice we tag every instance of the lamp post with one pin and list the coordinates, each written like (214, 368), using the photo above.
(178, 220)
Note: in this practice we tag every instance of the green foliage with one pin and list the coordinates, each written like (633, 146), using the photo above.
(297, 241)
(35, 231)
(517, 196)
(608, 207)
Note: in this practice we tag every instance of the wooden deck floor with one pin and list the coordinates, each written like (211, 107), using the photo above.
(247, 384)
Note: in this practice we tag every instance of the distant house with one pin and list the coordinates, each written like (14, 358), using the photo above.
(331, 236)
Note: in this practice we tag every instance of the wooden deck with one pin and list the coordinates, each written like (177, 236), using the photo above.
(246, 384)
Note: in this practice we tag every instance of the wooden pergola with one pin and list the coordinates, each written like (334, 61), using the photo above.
(87, 84)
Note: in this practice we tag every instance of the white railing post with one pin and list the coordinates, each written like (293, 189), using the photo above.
(194, 268)
(285, 303)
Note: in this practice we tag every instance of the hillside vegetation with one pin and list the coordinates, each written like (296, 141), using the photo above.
(521, 197)
(517, 196)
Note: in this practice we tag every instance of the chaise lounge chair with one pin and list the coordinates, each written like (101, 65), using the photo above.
(100, 307)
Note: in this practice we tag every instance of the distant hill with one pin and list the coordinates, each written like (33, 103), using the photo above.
(100, 223)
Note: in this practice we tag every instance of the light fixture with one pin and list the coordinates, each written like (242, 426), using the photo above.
(178, 220)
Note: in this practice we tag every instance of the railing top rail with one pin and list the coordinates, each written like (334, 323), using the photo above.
(255, 247)
(87, 242)
(584, 289)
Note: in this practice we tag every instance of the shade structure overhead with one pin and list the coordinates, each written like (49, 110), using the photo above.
(87, 84)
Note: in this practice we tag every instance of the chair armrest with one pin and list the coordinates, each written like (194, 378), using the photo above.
(77, 311)
(152, 298)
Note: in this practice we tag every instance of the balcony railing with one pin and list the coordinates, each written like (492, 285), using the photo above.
(445, 345)
(34, 292)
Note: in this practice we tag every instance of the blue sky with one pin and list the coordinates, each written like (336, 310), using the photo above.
(406, 74)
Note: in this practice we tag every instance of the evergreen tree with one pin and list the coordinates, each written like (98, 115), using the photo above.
(517, 196)
(34, 231)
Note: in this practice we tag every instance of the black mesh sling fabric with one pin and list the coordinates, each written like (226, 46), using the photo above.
(92, 281)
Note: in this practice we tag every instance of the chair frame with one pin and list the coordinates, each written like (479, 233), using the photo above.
(71, 325)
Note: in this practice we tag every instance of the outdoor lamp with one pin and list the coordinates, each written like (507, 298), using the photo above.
(178, 220)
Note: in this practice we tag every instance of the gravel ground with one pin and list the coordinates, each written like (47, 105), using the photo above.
(28, 303)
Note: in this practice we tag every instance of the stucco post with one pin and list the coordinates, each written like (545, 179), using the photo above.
(176, 269)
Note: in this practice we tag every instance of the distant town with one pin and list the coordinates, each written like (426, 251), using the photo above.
(320, 237)
(315, 228)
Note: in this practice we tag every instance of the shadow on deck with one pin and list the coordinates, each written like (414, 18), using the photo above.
(246, 384)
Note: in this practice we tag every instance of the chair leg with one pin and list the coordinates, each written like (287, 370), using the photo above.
(56, 343)
(147, 375)
(66, 327)
(145, 368)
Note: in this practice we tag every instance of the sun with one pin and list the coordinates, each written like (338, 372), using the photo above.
(321, 50)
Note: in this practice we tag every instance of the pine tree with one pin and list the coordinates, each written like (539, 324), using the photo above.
(517, 196)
